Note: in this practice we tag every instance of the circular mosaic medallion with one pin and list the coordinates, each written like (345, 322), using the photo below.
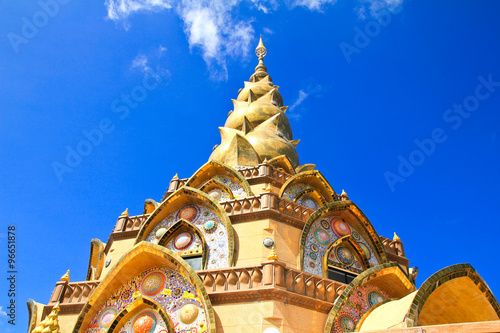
(355, 235)
(125, 295)
(375, 298)
(153, 283)
(189, 213)
(313, 256)
(340, 228)
(106, 317)
(314, 248)
(325, 224)
(160, 232)
(268, 242)
(177, 292)
(216, 194)
(346, 323)
(144, 323)
(183, 240)
(210, 226)
(188, 313)
(344, 255)
(366, 250)
(108, 261)
(312, 264)
(357, 264)
(322, 236)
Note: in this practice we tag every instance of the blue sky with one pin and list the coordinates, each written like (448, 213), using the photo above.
(395, 101)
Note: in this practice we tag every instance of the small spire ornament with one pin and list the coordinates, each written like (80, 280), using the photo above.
(272, 255)
(51, 323)
(396, 238)
(65, 277)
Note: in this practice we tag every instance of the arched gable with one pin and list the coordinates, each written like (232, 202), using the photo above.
(217, 190)
(370, 289)
(96, 259)
(138, 308)
(308, 182)
(455, 294)
(155, 272)
(223, 173)
(196, 245)
(282, 162)
(201, 211)
(327, 225)
(345, 253)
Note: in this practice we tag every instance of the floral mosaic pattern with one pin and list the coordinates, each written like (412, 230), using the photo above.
(175, 294)
(360, 301)
(322, 234)
(308, 202)
(344, 258)
(234, 186)
(208, 223)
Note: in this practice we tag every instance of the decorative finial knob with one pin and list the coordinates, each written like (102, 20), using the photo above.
(272, 255)
(268, 188)
(176, 176)
(125, 213)
(396, 238)
(261, 50)
(65, 277)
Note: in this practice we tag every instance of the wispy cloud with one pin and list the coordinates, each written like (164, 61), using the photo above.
(216, 28)
(2, 312)
(141, 62)
(293, 110)
(373, 8)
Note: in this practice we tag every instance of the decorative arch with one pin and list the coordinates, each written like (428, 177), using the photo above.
(167, 240)
(217, 190)
(359, 255)
(371, 288)
(455, 294)
(308, 182)
(155, 272)
(136, 308)
(282, 162)
(201, 211)
(223, 173)
(327, 225)
(96, 259)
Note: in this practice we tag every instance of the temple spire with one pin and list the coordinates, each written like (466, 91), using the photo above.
(261, 69)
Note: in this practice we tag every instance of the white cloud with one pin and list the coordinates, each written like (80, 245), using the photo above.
(141, 62)
(313, 4)
(214, 28)
(2, 312)
(302, 96)
(374, 7)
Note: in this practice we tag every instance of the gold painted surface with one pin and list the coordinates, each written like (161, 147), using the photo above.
(51, 323)
(456, 301)
(387, 315)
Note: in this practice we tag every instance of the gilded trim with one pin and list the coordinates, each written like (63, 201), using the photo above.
(326, 190)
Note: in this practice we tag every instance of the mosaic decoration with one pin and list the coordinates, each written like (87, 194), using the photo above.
(176, 295)
(145, 322)
(219, 195)
(185, 243)
(210, 226)
(268, 242)
(322, 234)
(308, 202)
(295, 190)
(360, 301)
(234, 186)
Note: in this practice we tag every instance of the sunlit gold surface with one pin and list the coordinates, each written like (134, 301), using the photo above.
(50, 324)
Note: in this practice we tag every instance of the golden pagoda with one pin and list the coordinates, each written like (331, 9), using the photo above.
(254, 241)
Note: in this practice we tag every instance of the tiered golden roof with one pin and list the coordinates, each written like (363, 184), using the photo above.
(257, 128)
(50, 324)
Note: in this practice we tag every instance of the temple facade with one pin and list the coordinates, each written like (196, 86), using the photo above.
(255, 241)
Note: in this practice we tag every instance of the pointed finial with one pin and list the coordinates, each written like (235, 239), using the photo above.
(65, 277)
(260, 50)
(176, 176)
(343, 192)
(265, 160)
(51, 323)
(396, 238)
(268, 188)
(272, 255)
(125, 213)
